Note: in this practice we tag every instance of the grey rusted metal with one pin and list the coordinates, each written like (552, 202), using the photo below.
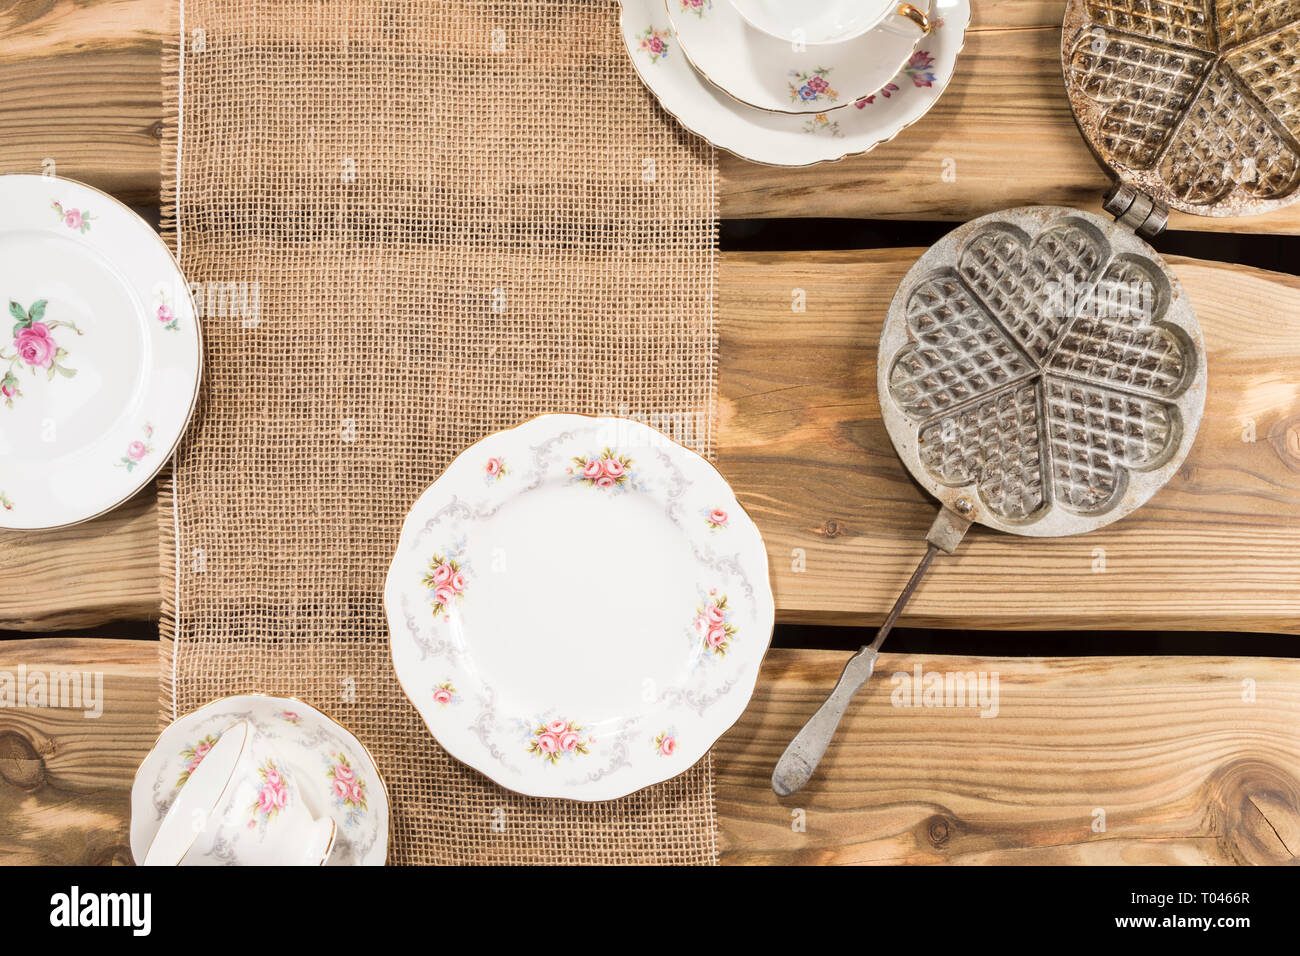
(1040, 371)
(1044, 365)
(1194, 102)
(1135, 210)
(805, 751)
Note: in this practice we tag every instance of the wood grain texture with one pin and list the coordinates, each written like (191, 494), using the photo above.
(65, 778)
(1185, 770)
(802, 442)
(99, 571)
(79, 84)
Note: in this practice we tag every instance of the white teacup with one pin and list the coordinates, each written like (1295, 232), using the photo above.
(241, 805)
(821, 22)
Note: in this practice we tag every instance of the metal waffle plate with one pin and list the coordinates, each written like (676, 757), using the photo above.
(1195, 102)
(1041, 371)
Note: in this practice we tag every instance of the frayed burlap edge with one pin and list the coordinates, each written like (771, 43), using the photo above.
(172, 54)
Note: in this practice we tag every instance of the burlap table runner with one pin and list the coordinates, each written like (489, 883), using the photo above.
(413, 223)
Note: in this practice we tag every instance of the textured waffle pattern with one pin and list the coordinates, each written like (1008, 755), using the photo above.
(1176, 21)
(1019, 280)
(1094, 434)
(1225, 142)
(1112, 339)
(1091, 397)
(1113, 350)
(1271, 67)
(1176, 91)
(1243, 20)
(995, 444)
(1147, 84)
(959, 352)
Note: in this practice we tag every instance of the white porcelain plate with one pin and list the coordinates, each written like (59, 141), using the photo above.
(784, 139)
(100, 353)
(771, 74)
(338, 774)
(579, 607)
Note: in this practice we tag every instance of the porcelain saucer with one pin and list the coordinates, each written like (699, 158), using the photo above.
(339, 777)
(781, 139)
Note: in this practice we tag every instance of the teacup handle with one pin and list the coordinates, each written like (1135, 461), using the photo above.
(909, 12)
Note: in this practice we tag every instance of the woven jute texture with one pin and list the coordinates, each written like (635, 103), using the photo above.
(411, 224)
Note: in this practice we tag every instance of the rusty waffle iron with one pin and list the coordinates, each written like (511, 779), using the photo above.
(1191, 104)
(1041, 371)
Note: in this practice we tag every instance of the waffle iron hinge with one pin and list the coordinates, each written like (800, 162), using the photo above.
(1135, 210)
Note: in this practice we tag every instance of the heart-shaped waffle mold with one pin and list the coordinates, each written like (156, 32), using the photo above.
(1043, 365)
(1195, 102)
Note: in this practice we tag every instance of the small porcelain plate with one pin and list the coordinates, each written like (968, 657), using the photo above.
(341, 775)
(785, 139)
(100, 357)
(579, 607)
(771, 74)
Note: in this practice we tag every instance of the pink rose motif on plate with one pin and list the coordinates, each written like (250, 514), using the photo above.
(35, 345)
(272, 795)
(346, 787)
(495, 469)
(194, 755)
(716, 518)
(666, 743)
(445, 694)
(5, 502)
(606, 470)
(289, 716)
(78, 219)
(697, 7)
(446, 582)
(164, 314)
(653, 43)
(555, 739)
(34, 348)
(713, 625)
(137, 450)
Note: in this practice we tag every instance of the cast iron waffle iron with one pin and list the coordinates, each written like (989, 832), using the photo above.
(1041, 371)
(1191, 104)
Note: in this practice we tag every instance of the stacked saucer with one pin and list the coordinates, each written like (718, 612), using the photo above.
(792, 84)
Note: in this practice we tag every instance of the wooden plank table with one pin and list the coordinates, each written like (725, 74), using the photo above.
(1184, 769)
(1182, 759)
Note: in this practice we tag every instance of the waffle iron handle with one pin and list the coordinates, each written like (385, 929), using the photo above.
(805, 751)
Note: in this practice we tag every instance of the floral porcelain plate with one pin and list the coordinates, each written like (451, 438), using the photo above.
(771, 74)
(579, 607)
(783, 139)
(342, 780)
(100, 362)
